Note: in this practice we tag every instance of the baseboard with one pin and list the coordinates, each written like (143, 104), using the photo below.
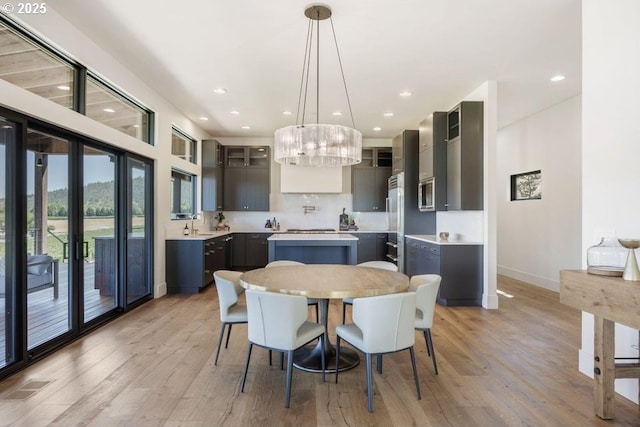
(552, 285)
(160, 290)
(489, 301)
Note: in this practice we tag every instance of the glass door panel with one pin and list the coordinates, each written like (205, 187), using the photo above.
(99, 245)
(138, 225)
(47, 264)
(7, 297)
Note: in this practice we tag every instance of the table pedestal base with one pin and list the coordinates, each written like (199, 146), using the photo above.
(309, 359)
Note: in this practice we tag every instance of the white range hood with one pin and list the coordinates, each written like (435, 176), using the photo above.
(297, 179)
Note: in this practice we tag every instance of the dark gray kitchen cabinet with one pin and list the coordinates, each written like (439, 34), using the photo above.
(372, 246)
(212, 175)
(246, 179)
(190, 263)
(459, 265)
(465, 156)
(249, 250)
(369, 180)
(433, 155)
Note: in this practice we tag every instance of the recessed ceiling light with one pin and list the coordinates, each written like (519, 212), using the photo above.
(63, 87)
(246, 127)
(108, 110)
(337, 113)
(220, 90)
(557, 78)
(287, 113)
(388, 114)
(377, 129)
(234, 112)
(203, 118)
(405, 93)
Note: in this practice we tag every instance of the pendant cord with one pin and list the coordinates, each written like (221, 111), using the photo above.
(318, 68)
(305, 67)
(344, 81)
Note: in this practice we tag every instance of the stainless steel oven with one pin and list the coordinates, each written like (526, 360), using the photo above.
(427, 194)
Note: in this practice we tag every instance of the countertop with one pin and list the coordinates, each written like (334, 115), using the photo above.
(434, 239)
(211, 234)
(311, 236)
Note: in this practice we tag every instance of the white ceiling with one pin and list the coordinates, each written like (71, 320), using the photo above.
(440, 50)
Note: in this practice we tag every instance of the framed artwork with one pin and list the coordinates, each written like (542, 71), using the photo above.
(526, 185)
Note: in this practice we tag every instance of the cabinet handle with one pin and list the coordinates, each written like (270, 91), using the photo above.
(392, 258)
(393, 245)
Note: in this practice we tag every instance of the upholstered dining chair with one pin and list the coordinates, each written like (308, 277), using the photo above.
(279, 322)
(385, 265)
(231, 312)
(426, 288)
(381, 324)
(310, 301)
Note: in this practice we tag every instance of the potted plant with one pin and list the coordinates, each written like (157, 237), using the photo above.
(220, 217)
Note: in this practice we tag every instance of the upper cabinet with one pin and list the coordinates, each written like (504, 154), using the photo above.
(212, 175)
(369, 180)
(246, 178)
(404, 148)
(465, 156)
(433, 155)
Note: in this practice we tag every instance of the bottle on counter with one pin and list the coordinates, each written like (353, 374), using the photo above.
(278, 227)
(186, 230)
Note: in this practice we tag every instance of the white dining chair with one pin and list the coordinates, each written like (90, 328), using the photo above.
(426, 288)
(279, 322)
(231, 312)
(285, 262)
(385, 265)
(381, 324)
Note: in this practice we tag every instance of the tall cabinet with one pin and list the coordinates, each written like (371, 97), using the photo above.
(369, 180)
(465, 156)
(212, 175)
(246, 179)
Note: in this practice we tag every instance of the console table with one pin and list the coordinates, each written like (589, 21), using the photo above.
(611, 300)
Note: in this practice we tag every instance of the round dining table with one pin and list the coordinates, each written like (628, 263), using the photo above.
(324, 282)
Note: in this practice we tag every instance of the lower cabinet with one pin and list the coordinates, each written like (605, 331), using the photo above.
(250, 250)
(459, 265)
(190, 263)
(372, 246)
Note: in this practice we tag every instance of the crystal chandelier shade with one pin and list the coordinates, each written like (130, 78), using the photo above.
(317, 145)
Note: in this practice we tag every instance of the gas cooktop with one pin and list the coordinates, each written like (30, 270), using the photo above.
(311, 230)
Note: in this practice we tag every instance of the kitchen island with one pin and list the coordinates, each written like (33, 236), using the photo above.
(322, 248)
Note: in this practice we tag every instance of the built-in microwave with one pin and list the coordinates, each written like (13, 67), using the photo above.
(427, 194)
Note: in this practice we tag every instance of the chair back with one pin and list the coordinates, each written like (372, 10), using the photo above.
(386, 321)
(274, 318)
(426, 288)
(282, 263)
(229, 289)
(385, 265)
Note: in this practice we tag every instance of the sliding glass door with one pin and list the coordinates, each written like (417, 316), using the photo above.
(48, 202)
(99, 250)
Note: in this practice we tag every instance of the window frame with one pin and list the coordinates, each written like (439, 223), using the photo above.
(176, 194)
(191, 145)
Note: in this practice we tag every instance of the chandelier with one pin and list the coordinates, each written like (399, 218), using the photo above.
(308, 144)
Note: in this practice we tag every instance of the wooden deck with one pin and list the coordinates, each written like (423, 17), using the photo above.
(49, 317)
(516, 366)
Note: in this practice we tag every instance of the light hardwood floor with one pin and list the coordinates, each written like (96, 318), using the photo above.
(516, 366)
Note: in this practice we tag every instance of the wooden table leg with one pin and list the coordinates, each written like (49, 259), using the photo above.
(604, 367)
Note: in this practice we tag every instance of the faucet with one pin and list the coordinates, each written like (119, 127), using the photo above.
(193, 230)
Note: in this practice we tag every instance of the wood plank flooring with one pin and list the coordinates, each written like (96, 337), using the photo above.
(516, 366)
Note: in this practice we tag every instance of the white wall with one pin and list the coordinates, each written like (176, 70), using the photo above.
(610, 144)
(538, 238)
(55, 29)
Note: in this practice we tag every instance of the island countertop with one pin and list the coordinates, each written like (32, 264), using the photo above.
(311, 236)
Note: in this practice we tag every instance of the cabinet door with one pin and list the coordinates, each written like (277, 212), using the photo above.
(366, 247)
(212, 175)
(381, 189)
(256, 188)
(256, 250)
(381, 246)
(397, 151)
(238, 249)
(363, 187)
(234, 189)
